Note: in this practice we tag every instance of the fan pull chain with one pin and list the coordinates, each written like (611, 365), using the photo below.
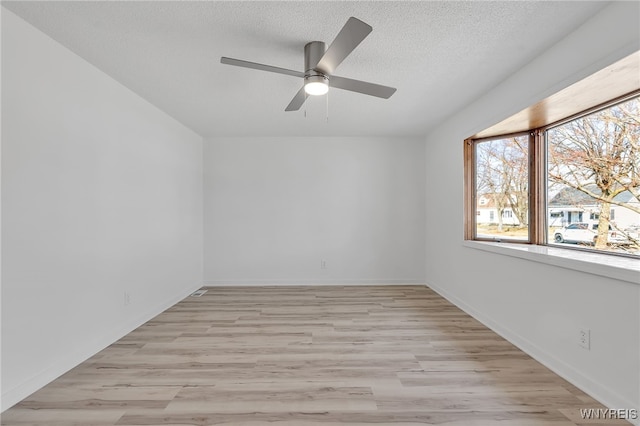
(305, 103)
(327, 106)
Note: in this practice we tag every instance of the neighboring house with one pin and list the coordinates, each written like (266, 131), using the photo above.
(570, 206)
(566, 207)
(487, 212)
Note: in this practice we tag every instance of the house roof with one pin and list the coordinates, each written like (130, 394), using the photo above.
(573, 197)
(488, 203)
(489, 199)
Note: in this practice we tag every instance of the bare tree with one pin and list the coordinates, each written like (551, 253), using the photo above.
(517, 163)
(502, 176)
(599, 155)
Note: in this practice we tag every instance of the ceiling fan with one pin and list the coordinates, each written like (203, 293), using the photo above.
(320, 63)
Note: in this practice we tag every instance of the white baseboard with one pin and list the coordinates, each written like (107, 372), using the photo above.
(603, 394)
(85, 350)
(307, 282)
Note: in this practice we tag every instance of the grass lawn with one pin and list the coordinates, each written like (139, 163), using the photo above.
(507, 230)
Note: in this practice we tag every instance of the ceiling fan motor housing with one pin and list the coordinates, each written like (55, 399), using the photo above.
(313, 52)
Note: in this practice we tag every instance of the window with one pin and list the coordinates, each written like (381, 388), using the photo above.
(502, 180)
(577, 226)
(593, 163)
(558, 184)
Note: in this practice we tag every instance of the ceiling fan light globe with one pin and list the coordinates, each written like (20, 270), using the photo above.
(316, 85)
(316, 88)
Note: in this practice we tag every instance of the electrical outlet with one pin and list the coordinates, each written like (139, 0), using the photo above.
(323, 264)
(127, 298)
(584, 338)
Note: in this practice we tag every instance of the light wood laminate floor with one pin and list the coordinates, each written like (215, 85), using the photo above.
(329, 355)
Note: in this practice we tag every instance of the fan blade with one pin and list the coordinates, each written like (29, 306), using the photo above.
(371, 89)
(297, 100)
(261, 67)
(349, 37)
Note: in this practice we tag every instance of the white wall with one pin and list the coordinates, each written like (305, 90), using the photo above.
(275, 207)
(540, 307)
(101, 195)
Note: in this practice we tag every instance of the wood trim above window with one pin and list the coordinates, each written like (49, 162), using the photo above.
(610, 83)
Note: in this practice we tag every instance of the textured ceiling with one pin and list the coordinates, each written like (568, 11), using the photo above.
(439, 55)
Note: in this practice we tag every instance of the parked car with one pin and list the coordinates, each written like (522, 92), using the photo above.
(633, 232)
(586, 233)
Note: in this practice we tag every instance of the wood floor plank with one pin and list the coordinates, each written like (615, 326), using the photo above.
(323, 355)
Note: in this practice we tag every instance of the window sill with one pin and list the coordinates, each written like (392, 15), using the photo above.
(620, 268)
